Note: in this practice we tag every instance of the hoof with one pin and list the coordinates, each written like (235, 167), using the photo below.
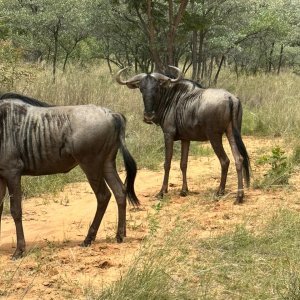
(86, 243)
(220, 193)
(239, 197)
(239, 200)
(119, 239)
(19, 253)
(184, 193)
(160, 195)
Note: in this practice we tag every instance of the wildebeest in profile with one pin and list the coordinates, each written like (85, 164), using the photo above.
(38, 139)
(187, 112)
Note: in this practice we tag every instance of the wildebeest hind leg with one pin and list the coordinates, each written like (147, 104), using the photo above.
(216, 142)
(238, 164)
(103, 196)
(183, 165)
(113, 180)
(14, 189)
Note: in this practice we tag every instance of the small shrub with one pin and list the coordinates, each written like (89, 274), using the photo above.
(296, 155)
(280, 171)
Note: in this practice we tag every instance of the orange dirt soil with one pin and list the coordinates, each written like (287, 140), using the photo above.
(56, 267)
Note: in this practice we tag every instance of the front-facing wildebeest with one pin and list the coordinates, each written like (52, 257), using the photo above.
(38, 139)
(187, 112)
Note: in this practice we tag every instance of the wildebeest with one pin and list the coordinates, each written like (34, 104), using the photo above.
(187, 112)
(38, 139)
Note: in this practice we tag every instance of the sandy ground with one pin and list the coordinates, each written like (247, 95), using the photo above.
(56, 267)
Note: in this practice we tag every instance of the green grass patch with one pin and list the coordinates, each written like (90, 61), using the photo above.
(244, 265)
(38, 185)
(236, 265)
(150, 276)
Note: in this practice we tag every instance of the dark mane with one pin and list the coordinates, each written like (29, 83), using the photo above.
(25, 99)
(195, 83)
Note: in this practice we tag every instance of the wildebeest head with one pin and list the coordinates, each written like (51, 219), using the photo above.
(150, 87)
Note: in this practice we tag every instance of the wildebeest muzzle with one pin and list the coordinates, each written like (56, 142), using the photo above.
(149, 117)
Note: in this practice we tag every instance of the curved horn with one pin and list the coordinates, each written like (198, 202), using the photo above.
(118, 76)
(162, 77)
(179, 74)
(134, 79)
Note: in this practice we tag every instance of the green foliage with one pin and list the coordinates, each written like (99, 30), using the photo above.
(280, 171)
(47, 29)
(149, 276)
(36, 186)
(238, 264)
(11, 68)
(238, 260)
(250, 34)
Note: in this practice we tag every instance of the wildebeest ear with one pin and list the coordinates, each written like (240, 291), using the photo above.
(133, 85)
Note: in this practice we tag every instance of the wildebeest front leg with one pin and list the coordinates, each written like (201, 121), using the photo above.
(169, 141)
(185, 145)
(2, 195)
(216, 142)
(14, 189)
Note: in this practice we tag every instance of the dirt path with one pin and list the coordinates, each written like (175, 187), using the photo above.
(57, 267)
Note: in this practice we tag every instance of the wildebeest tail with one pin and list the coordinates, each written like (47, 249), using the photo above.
(130, 164)
(236, 125)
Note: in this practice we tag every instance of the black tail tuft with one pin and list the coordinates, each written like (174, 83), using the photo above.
(236, 117)
(131, 170)
(130, 164)
(242, 149)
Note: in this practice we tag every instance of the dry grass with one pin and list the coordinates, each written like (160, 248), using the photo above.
(271, 107)
(237, 265)
(271, 102)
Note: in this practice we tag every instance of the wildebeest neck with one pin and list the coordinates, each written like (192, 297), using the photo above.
(169, 97)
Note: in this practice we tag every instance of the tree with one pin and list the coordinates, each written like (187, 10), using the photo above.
(47, 26)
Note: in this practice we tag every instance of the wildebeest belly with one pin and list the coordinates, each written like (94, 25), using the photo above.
(47, 167)
(191, 133)
(47, 160)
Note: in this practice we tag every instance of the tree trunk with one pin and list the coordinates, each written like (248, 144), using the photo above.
(210, 69)
(204, 68)
(55, 34)
(174, 22)
(55, 55)
(280, 59)
(200, 54)
(170, 39)
(108, 64)
(194, 55)
(65, 61)
(219, 69)
(236, 69)
(152, 39)
(270, 58)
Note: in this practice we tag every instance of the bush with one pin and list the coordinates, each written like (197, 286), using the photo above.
(280, 171)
